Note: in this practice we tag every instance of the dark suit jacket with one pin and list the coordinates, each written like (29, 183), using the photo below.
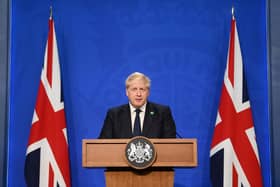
(158, 122)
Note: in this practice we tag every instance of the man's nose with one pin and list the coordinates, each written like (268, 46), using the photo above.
(138, 92)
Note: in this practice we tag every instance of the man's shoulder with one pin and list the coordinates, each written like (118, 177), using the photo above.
(119, 108)
(157, 105)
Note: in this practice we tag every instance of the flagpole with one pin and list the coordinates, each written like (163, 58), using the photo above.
(51, 12)
(232, 12)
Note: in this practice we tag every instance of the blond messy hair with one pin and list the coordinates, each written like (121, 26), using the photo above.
(139, 76)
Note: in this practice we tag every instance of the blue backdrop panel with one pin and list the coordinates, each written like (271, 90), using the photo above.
(182, 45)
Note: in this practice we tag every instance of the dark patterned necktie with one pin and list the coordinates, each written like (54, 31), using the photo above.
(137, 127)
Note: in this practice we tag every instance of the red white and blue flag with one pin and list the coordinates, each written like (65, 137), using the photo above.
(234, 154)
(47, 156)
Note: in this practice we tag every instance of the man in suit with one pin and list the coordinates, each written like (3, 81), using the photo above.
(154, 120)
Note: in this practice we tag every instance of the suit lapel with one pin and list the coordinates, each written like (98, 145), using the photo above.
(126, 121)
(148, 119)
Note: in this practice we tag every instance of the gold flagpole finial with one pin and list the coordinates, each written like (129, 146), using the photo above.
(51, 13)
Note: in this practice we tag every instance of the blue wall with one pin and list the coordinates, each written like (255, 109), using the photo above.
(274, 41)
(181, 45)
(4, 46)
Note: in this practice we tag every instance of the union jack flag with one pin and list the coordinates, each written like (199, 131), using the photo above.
(234, 154)
(47, 157)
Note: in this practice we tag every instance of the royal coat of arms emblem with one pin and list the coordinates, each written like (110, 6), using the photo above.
(140, 152)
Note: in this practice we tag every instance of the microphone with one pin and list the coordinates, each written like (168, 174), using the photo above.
(178, 135)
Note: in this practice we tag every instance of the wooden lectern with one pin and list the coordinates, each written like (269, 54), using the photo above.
(110, 153)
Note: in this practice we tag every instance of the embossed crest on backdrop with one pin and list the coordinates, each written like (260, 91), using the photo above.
(140, 152)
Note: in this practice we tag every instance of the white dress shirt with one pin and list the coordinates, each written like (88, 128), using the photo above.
(141, 115)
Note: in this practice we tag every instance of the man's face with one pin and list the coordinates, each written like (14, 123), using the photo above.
(137, 93)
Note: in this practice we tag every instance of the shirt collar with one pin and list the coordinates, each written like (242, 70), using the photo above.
(142, 108)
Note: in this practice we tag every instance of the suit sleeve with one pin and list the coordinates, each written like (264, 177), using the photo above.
(107, 129)
(169, 127)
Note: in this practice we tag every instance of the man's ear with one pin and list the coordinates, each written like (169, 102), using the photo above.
(126, 92)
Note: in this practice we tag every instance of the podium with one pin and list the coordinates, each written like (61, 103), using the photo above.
(110, 153)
